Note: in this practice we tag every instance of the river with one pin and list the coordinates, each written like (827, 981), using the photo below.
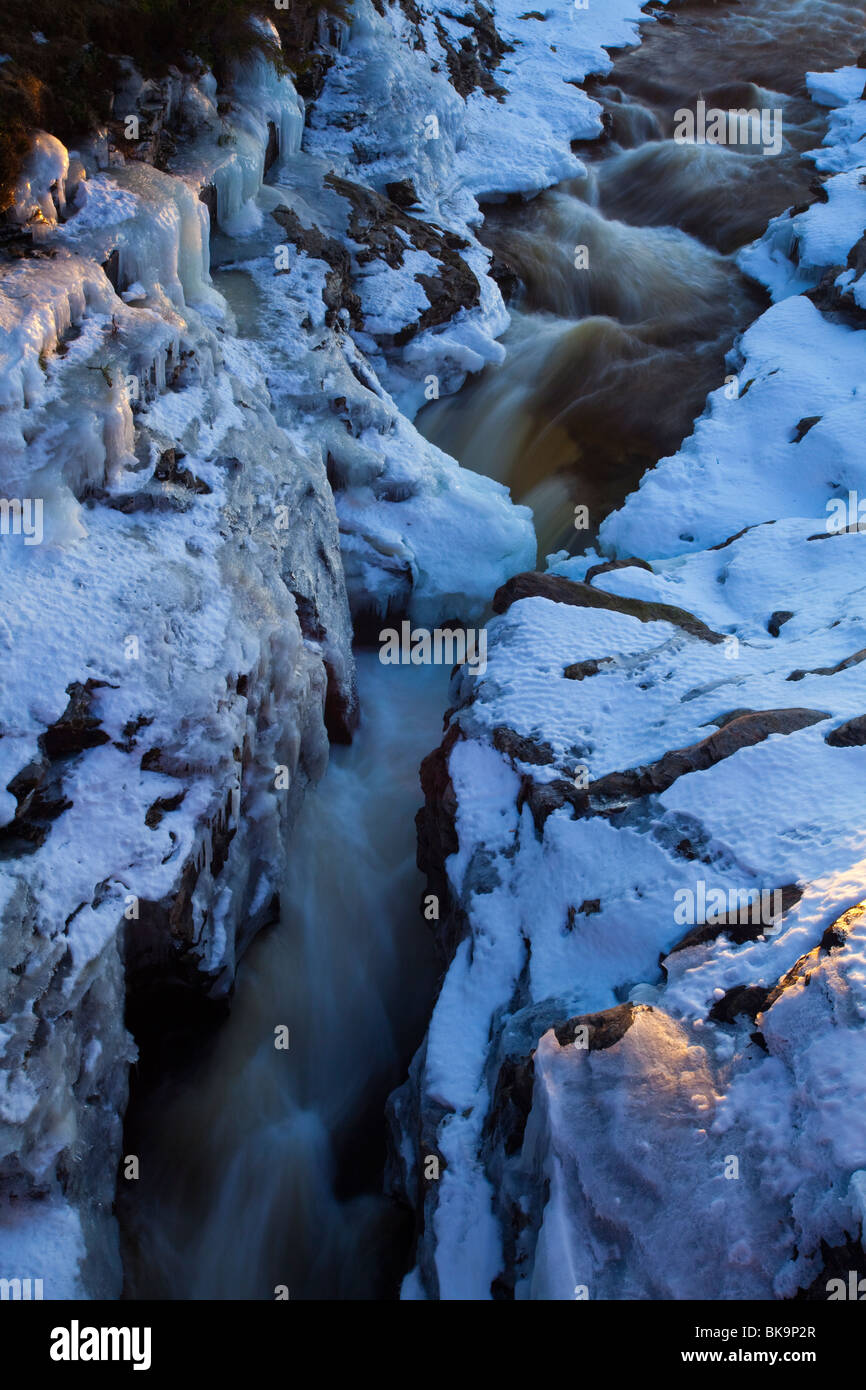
(262, 1166)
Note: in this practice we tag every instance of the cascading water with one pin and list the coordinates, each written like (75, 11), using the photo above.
(262, 1166)
(630, 295)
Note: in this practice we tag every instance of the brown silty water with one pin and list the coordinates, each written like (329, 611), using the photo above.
(612, 351)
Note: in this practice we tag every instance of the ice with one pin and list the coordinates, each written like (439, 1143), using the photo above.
(44, 173)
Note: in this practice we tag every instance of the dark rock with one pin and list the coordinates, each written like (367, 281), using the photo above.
(168, 470)
(723, 545)
(299, 30)
(143, 501)
(38, 791)
(376, 223)
(111, 266)
(208, 195)
(168, 1011)
(606, 1028)
(831, 670)
(272, 149)
(130, 732)
(342, 706)
(151, 761)
(722, 719)
(804, 426)
(506, 277)
(777, 621)
(543, 798)
(742, 732)
(851, 734)
(38, 787)
(579, 670)
(512, 1102)
(607, 565)
(558, 589)
(837, 302)
(839, 1262)
(436, 824)
(833, 939)
(77, 728)
(749, 1000)
(734, 926)
(403, 193)
(338, 292)
(160, 807)
(519, 748)
(471, 64)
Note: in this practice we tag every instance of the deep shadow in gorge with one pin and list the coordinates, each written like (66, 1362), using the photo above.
(263, 1167)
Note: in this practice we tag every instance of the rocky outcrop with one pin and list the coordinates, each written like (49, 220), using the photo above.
(581, 595)
(218, 514)
(643, 1073)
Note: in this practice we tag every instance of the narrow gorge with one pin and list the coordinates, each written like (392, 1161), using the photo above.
(389, 317)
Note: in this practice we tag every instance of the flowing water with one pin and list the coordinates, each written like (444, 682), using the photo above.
(612, 351)
(262, 1167)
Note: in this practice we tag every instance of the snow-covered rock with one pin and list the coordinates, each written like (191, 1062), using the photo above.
(644, 1079)
(176, 641)
(175, 619)
(212, 344)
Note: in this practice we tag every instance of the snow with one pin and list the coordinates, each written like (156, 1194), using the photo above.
(164, 599)
(384, 112)
(742, 466)
(622, 1183)
(838, 88)
(121, 360)
(43, 1242)
(45, 169)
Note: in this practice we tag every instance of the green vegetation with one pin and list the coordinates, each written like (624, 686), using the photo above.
(65, 85)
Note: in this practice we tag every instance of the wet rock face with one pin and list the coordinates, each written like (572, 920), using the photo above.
(188, 656)
(338, 292)
(383, 230)
(473, 60)
(437, 840)
(591, 1084)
